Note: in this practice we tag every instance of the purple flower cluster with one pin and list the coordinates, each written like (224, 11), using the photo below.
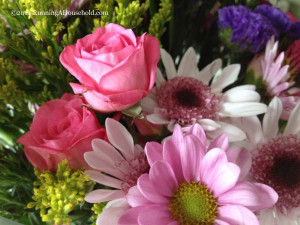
(254, 29)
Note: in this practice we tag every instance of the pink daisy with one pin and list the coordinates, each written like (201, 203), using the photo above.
(275, 78)
(276, 161)
(188, 185)
(187, 97)
(121, 169)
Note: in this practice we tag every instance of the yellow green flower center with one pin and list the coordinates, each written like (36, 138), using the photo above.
(193, 204)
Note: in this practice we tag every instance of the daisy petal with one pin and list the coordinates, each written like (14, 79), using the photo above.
(271, 118)
(191, 155)
(130, 216)
(219, 142)
(188, 64)
(148, 191)
(242, 109)
(242, 158)
(148, 104)
(294, 121)
(234, 133)
(168, 184)
(207, 72)
(224, 178)
(159, 78)
(157, 119)
(135, 198)
(228, 76)
(168, 64)
(120, 137)
(235, 214)
(241, 96)
(267, 217)
(102, 195)
(198, 132)
(208, 124)
(110, 216)
(103, 179)
(155, 215)
(154, 152)
(254, 196)
(211, 163)
(174, 223)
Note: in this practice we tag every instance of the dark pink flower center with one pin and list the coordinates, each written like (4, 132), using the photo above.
(187, 100)
(139, 165)
(277, 164)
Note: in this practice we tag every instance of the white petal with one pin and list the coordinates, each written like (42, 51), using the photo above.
(207, 72)
(188, 64)
(208, 124)
(252, 126)
(159, 78)
(242, 109)
(168, 63)
(233, 132)
(103, 195)
(157, 119)
(241, 96)
(266, 217)
(148, 104)
(103, 179)
(271, 118)
(242, 87)
(293, 125)
(228, 76)
(120, 137)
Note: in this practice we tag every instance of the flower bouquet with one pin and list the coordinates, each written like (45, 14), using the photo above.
(155, 112)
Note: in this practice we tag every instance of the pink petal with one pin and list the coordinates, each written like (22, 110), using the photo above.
(234, 214)
(221, 222)
(163, 178)
(241, 157)
(171, 154)
(102, 195)
(154, 152)
(174, 223)
(197, 130)
(219, 142)
(191, 157)
(148, 191)
(106, 149)
(103, 179)
(135, 198)
(120, 137)
(110, 216)
(130, 217)
(102, 163)
(224, 179)
(158, 215)
(211, 164)
(254, 196)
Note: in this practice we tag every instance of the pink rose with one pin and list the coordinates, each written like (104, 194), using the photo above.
(61, 129)
(115, 69)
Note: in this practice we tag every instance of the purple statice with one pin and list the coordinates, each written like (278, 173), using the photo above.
(249, 29)
(277, 17)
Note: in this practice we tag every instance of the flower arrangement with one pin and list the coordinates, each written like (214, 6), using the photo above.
(129, 112)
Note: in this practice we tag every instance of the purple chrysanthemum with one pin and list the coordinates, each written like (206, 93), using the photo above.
(249, 29)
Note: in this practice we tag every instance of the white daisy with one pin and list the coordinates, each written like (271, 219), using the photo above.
(276, 161)
(187, 97)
